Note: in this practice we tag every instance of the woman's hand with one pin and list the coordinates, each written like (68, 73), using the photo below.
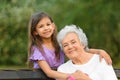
(79, 75)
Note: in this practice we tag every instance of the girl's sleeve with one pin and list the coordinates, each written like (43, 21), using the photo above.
(37, 55)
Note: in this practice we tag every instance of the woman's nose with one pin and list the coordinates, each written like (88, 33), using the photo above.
(70, 46)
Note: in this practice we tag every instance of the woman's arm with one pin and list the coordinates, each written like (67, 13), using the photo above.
(59, 75)
(103, 54)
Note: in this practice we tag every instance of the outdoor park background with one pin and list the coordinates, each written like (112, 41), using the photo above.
(100, 20)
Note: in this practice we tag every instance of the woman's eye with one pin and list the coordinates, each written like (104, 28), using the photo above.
(73, 42)
(64, 45)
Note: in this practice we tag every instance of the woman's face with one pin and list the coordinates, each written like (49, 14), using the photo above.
(45, 28)
(71, 45)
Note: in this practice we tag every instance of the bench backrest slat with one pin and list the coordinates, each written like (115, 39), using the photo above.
(30, 74)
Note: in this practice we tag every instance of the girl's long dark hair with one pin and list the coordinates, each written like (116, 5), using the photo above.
(36, 40)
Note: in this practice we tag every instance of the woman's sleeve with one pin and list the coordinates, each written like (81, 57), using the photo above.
(108, 72)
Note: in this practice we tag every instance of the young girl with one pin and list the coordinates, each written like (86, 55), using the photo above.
(44, 51)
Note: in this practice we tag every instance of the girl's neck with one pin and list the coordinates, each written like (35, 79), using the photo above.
(47, 41)
(48, 44)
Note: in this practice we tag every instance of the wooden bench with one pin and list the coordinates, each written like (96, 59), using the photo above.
(27, 74)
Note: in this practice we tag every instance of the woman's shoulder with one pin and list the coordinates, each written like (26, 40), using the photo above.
(64, 65)
(102, 62)
(95, 57)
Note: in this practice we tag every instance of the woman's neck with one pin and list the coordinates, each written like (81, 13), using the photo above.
(82, 58)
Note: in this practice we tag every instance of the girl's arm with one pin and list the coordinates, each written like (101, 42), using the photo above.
(103, 54)
(49, 72)
(58, 75)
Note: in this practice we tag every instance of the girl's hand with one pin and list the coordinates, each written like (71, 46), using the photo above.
(79, 75)
(103, 54)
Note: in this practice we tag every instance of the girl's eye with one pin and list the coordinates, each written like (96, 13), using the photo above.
(40, 26)
(48, 24)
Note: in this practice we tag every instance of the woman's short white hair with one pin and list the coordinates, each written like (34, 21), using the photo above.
(72, 28)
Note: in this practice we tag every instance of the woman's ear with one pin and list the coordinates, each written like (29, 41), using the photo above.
(83, 45)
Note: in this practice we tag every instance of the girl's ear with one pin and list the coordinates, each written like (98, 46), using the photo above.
(35, 33)
(53, 24)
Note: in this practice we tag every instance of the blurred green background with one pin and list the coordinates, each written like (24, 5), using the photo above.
(100, 20)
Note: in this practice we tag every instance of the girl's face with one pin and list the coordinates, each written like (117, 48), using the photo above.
(45, 28)
(71, 45)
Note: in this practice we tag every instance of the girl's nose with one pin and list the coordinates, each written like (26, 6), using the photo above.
(46, 27)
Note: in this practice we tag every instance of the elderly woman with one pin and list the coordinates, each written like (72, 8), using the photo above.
(74, 43)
